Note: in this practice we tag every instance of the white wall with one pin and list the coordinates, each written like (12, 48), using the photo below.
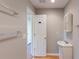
(73, 7)
(13, 49)
(54, 27)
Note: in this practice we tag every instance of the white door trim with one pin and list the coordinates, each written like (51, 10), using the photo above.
(53, 54)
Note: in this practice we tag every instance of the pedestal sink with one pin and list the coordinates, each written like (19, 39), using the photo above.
(63, 43)
(65, 50)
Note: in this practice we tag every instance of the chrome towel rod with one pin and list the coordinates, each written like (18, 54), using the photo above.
(10, 35)
(7, 10)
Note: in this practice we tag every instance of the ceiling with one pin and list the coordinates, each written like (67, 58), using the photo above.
(48, 4)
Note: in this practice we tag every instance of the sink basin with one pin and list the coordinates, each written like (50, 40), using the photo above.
(64, 44)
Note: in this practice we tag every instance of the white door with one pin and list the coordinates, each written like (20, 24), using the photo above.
(39, 35)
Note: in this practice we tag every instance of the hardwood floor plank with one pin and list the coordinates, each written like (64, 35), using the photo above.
(47, 57)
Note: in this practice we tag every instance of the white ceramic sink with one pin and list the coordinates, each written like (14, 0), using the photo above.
(63, 43)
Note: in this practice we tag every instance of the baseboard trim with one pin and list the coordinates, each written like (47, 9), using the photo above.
(53, 54)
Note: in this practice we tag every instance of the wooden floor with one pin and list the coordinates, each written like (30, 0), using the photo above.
(47, 57)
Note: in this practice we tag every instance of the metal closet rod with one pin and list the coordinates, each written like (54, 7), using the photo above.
(13, 12)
